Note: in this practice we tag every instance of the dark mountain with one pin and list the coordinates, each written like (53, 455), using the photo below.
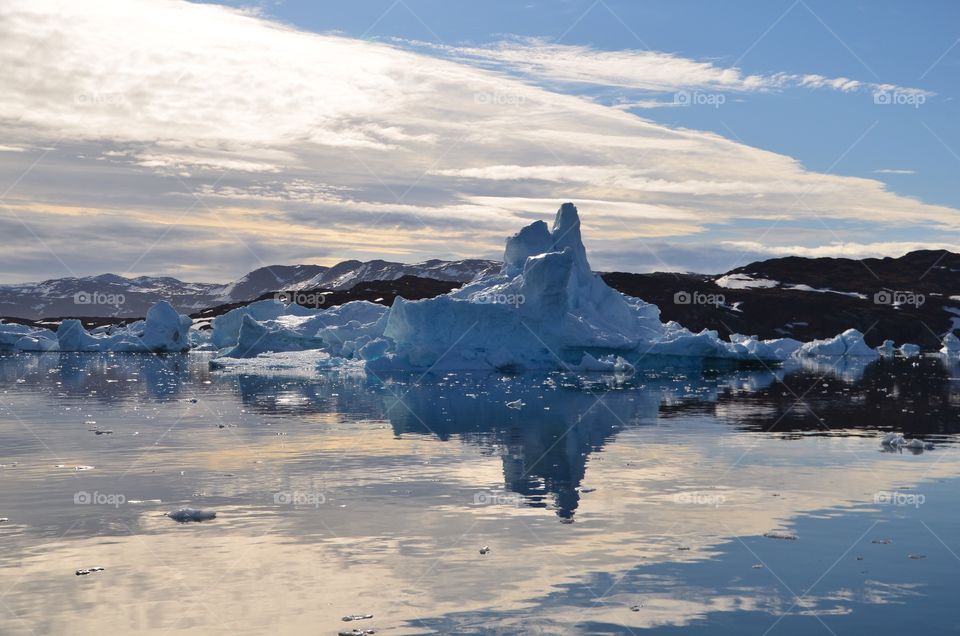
(914, 298)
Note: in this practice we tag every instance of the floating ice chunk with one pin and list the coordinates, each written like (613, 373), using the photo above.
(886, 349)
(780, 534)
(893, 440)
(38, 341)
(185, 515)
(356, 617)
(165, 330)
(515, 404)
(849, 343)
(909, 350)
(951, 345)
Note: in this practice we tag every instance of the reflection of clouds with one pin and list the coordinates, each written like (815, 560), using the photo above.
(399, 528)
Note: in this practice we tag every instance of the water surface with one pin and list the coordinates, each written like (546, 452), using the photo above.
(609, 504)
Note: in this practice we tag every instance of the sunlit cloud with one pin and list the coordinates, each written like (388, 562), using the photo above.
(250, 142)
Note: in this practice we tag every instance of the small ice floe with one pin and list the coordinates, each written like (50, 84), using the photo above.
(916, 556)
(485, 549)
(516, 404)
(143, 501)
(757, 566)
(356, 617)
(74, 467)
(882, 541)
(185, 515)
(896, 441)
(780, 534)
(86, 571)
(4, 519)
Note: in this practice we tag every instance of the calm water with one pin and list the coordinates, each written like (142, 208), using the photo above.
(609, 505)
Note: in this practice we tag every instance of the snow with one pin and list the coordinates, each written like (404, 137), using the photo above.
(808, 288)
(744, 281)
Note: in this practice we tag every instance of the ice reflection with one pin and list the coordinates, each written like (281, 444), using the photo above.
(672, 477)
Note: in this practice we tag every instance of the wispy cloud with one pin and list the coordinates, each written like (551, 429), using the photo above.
(647, 71)
(206, 136)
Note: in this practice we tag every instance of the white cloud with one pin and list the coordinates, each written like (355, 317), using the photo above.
(649, 71)
(295, 142)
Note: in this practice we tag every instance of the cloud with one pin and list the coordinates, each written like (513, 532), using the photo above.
(894, 171)
(647, 71)
(144, 122)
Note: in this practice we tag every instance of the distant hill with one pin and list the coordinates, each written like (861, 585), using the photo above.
(112, 296)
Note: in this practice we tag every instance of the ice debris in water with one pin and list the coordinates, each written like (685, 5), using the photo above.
(515, 404)
(780, 534)
(185, 515)
(86, 571)
(897, 440)
(356, 617)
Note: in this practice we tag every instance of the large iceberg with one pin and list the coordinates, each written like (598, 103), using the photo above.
(546, 309)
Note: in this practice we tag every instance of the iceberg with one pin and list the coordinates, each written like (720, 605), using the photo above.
(270, 326)
(546, 309)
(849, 343)
(951, 345)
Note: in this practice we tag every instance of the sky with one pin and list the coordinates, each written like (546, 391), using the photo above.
(204, 140)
